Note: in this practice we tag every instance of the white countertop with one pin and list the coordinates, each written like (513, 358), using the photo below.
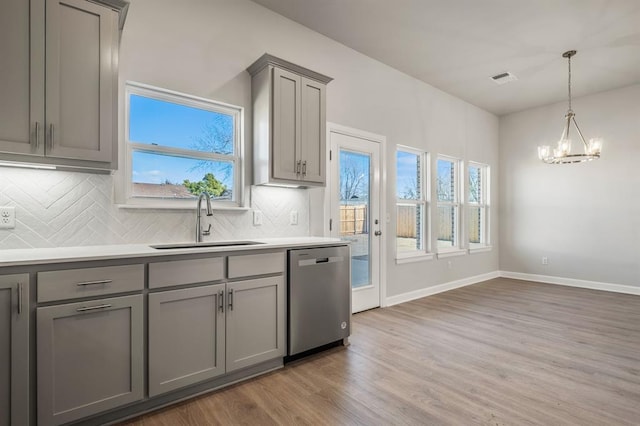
(40, 256)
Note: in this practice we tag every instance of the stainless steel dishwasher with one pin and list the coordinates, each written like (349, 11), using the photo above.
(319, 297)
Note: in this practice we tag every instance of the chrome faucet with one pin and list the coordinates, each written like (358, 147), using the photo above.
(199, 231)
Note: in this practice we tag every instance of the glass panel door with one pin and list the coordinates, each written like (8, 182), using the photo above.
(355, 212)
(355, 190)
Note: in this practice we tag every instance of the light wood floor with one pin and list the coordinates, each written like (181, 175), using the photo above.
(503, 352)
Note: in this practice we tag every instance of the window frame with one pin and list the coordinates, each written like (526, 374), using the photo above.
(457, 204)
(126, 188)
(424, 202)
(484, 205)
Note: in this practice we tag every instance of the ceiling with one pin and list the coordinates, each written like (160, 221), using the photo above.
(457, 45)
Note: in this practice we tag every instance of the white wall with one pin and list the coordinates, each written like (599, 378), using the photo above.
(203, 47)
(584, 217)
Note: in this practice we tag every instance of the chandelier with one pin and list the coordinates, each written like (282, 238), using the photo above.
(562, 153)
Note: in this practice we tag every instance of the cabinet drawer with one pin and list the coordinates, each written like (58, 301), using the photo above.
(88, 282)
(256, 264)
(180, 272)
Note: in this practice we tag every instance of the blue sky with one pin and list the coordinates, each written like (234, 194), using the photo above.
(163, 123)
(406, 167)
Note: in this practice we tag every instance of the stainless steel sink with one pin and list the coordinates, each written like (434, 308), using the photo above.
(205, 245)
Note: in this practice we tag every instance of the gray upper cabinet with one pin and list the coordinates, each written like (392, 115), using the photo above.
(14, 350)
(255, 321)
(22, 77)
(81, 80)
(186, 337)
(72, 119)
(90, 357)
(289, 113)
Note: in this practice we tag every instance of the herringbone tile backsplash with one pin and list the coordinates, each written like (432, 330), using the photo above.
(59, 209)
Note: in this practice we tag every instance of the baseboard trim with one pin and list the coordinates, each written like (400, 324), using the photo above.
(429, 291)
(572, 282)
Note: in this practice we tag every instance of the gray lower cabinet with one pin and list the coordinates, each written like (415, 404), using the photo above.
(90, 357)
(255, 321)
(14, 350)
(186, 337)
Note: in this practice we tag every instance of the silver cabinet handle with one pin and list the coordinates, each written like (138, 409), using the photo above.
(20, 298)
(377, 233)
(94, 282)
(304, 168)
(298, 167)
(231, 300)
(51, 140)
(221, 300)
(93, 308)
(37, 134)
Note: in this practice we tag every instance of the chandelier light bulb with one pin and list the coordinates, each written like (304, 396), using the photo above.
(595, 146)
(544, 152)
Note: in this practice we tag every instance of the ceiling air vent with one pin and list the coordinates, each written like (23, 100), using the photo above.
(503, 78)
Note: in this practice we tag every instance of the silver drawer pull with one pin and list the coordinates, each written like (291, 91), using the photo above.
(93, 308)
(94, 282)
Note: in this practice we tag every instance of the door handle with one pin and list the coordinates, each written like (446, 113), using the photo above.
(304, 168)
(377, 233)
(231, 299)
(298, 167)
(221, 300)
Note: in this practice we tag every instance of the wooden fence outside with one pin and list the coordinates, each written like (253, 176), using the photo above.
(406, 224)
(354, 220)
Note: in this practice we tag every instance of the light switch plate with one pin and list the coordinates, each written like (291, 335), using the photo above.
(257, 218)
(7, 217)
(293, 217)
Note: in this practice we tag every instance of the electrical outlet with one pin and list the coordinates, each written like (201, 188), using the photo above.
(7, 217)
(257, 218)
(450, 264)
(545, 260)
(293, 217)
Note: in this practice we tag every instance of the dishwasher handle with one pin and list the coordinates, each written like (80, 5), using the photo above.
(320, 260)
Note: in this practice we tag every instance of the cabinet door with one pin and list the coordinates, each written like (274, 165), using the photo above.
(255, 322)
(80, 68)
(90, 357)
(286, 125)
(22, 76)
(313, 143)
(186, 337)
(14, 350)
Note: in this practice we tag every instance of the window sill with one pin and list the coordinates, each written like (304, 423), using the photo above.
(411, 258)
(451, 253)
(182, 206)
(480, 249)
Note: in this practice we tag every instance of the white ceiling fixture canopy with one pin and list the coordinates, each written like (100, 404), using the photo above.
(458, 45)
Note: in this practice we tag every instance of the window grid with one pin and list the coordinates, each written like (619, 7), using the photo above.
(412, 204)
(228, 159)
(478, 205)
(448, 204)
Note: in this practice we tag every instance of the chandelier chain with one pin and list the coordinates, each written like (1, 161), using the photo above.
(569, 83)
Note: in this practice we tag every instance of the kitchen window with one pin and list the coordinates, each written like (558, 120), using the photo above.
(478, 206)
(178, 146)
(448, 206)
(412, 205)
